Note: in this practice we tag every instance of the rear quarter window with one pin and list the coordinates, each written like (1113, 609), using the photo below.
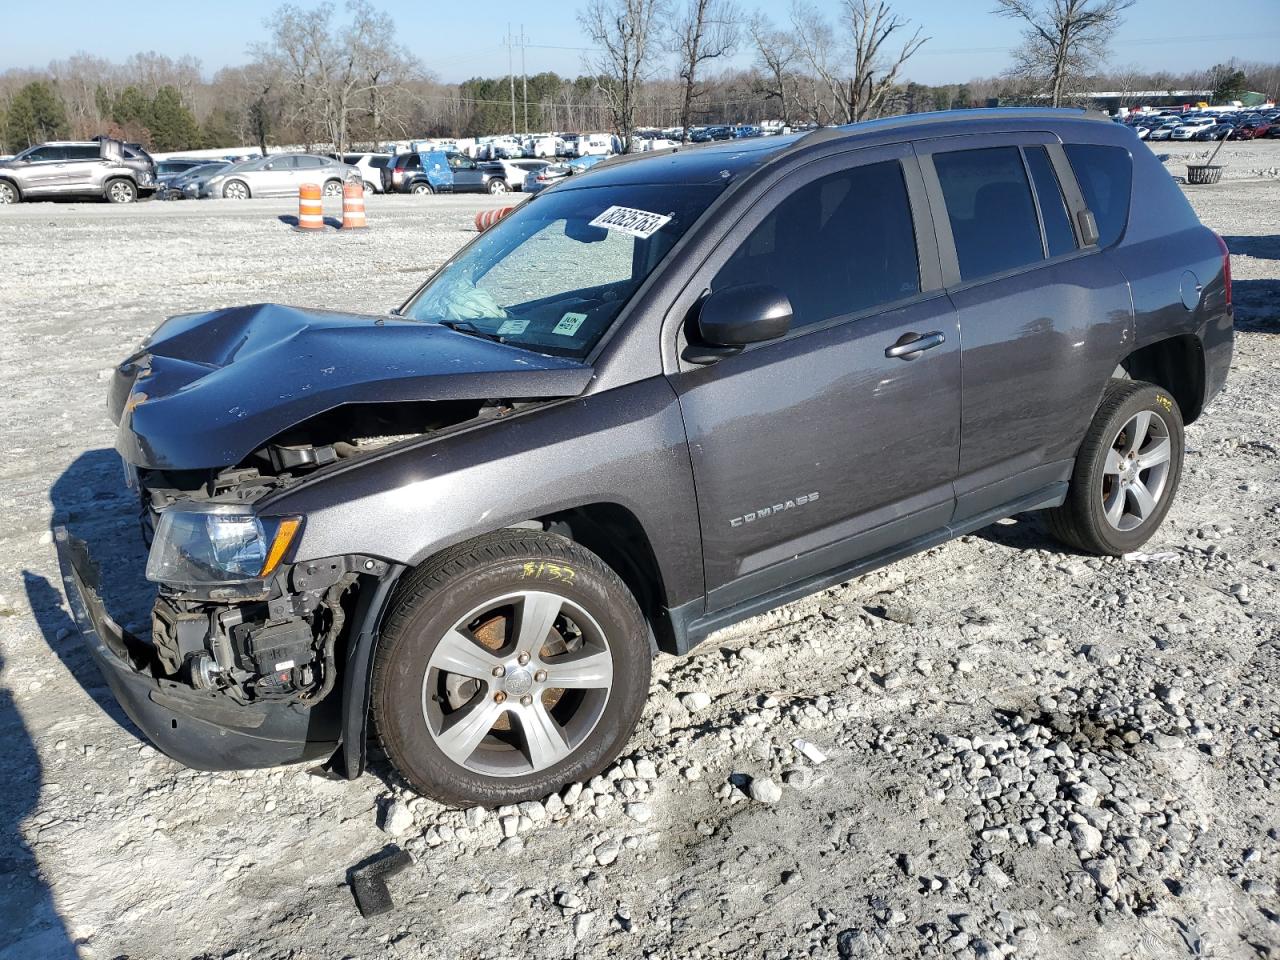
(1105, 175)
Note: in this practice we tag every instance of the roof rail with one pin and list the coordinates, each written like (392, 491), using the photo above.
(907, 120)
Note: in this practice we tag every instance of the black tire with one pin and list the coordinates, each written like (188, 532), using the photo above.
(421, 188)
(1081, 521)
(497, 185)
(120, 190)
(433, 599)
(9, 192)
(369, 188)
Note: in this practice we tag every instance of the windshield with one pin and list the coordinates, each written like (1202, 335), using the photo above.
(555, 274)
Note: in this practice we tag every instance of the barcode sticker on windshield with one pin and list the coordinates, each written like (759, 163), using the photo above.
(638, 223)
(569, 324)
(512, 326)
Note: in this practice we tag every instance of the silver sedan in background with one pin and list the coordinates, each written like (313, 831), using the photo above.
(278, 175)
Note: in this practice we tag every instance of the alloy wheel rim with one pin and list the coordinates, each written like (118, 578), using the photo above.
(121, 193)
(332, 189)
(1136, 472)
(518, 684)
(236, 191)
(6, 193)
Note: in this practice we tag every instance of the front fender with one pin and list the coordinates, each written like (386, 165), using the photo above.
(624, 446)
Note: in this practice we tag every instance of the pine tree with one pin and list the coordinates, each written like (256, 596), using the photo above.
(35, 114)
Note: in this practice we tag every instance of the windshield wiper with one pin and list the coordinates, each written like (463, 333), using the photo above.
(467, 327)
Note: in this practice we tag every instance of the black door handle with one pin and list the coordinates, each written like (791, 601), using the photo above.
(911, 345)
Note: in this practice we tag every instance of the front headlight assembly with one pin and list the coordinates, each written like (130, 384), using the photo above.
(217, 545)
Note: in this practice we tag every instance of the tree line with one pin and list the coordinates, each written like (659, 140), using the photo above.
(342, 77)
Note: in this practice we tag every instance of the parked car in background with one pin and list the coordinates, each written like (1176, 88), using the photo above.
(595, 145)
(636, 411)
(169, 169)
(442, 171)
(116, 171)
(279, 175)
(1164, 130)
(1252, 130)
(511, 174)
(370, 166)
(1215, 131)
(186, 186)
(1189, 128)
(543, 147)
(548, 176)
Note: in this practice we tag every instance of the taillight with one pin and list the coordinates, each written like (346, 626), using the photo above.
(1226, 268)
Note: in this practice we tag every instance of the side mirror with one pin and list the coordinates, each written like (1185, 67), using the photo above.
(736, 316)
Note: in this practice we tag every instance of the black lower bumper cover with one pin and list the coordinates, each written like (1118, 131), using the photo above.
(203, 730)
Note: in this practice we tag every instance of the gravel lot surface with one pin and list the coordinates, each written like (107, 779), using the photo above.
(996, 748)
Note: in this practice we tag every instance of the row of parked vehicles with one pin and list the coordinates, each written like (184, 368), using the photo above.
(1207, 125)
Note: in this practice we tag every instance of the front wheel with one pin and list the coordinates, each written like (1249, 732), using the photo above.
(509, 666)
(1126, 473)
(235, 190)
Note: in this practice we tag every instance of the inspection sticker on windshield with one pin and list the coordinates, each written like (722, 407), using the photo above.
(569, 324)
(638, 223)
(512, 326)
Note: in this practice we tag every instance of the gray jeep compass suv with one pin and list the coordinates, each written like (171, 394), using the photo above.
(106, 168)
(652, 401)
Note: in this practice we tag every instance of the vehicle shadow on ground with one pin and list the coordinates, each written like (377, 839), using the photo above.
(289, 220)
(29, 922)
(1257, 304)
(91, 500)
(1026, 531)
(1264, 247)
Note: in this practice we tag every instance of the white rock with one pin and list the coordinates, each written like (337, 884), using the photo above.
(475, 816)
(397, 819)
(765, 790)
(640, 812)
(646, 770)
(606, 853)
(1087, 839)
(809, 751)
(696, 701)
(582, 924)
(1085, 794)
(510, 825)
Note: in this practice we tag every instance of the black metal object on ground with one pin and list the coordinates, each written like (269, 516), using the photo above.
(369, 880)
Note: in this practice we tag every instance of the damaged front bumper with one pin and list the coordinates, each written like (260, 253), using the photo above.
(201, 729)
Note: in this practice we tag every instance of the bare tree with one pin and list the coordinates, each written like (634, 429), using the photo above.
(867, 28)
(1063, 40)
(623, 32)
(703, 31)
(336, 75)
(775, 56)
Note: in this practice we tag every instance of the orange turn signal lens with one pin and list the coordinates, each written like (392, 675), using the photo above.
(285, 532)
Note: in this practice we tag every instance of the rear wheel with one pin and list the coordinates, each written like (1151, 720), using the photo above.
(421, 189)
(333, 188)
(1127, 471)
(121, 191)
(509, 666)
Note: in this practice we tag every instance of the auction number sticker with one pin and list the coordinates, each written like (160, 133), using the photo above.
(569, 324)
(638, 223)
(512, 326)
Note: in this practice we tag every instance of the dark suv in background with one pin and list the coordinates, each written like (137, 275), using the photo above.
(648, 403)
(117, 172)
(439, 171)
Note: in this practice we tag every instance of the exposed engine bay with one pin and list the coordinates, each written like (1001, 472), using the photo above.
(282, 639)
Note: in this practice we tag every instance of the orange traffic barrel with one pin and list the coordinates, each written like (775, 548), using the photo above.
(353, 205)
(487, 218)
(310, 208)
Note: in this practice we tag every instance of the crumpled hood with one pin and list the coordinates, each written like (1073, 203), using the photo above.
(208, 389)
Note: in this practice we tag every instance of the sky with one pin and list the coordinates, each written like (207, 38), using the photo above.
(460, 40)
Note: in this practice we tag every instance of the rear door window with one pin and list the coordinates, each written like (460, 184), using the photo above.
(1058, 235)
(309, 163)
(1105, 175)
(84, 152)
(840, 245)
(991, 210)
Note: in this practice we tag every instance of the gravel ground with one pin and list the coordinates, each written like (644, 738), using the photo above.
(996, 748)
